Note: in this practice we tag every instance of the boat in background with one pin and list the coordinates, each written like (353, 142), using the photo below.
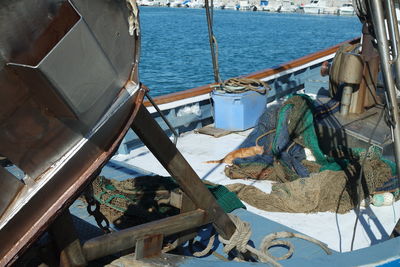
(244, 5)
(347, 10)
(232, 6)
(287, 7)
(315, 7)
(149, 3)
(175, 3)
(263, 5)
(272, 6)
(196, 4)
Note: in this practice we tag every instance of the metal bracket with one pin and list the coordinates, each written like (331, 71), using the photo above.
(149, 246)
(163, 117)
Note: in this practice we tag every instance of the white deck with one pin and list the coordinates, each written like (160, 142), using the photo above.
(375, 225)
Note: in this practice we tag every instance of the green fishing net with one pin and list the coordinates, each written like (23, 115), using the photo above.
(300, 124)
(143, 199)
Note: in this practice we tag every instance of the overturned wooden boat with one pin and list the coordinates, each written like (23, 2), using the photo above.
(63, 113)
(70, 87)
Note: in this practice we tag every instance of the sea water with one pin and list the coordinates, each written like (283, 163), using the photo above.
(176, 55)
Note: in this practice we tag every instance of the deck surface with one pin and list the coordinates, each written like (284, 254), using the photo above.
(375, 225)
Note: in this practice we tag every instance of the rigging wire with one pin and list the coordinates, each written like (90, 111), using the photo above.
(212, 39)
(358, 181)
(234, 85)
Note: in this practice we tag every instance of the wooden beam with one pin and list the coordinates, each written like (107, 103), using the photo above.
(119, 241)
(169, 156)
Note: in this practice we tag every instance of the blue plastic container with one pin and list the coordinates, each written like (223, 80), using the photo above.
(237, 112)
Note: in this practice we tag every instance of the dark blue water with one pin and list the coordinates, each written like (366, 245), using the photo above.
(175, 50)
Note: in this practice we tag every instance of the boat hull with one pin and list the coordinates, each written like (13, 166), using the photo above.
(68, 88)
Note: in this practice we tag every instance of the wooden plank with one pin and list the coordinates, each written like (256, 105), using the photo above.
(118, 241)
(210, 130)
(205, 89)
(162, 261)
(169, 156)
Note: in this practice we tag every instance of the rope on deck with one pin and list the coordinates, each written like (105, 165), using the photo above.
(241, 237)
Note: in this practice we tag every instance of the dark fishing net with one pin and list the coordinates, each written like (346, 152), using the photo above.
(328, 184)
(296, 117)
(134, 201)
(266, 123)
(147, 198)
(288, 128)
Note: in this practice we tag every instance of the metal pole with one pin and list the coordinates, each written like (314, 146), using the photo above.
(346, 100)
(394, 28)
(380, 31)
(212, 41)
(163, 117)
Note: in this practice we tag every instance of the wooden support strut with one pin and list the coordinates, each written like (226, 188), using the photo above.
(168, 155)
(67, 241)
(145, 235)
(118, 241)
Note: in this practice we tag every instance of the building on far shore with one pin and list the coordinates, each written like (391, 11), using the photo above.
(330, 6)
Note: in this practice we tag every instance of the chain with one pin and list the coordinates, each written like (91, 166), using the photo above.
(93, 208)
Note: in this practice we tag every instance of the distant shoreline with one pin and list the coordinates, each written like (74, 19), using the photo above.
(315, 7)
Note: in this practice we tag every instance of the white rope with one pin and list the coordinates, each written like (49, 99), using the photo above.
(207, 249)
(241, 237)
(133, 19)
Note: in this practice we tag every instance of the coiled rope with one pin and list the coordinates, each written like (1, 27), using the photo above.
(240, 238)
(240, 85)
(234, 85)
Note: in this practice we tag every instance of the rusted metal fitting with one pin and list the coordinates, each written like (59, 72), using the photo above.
(325, 68)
